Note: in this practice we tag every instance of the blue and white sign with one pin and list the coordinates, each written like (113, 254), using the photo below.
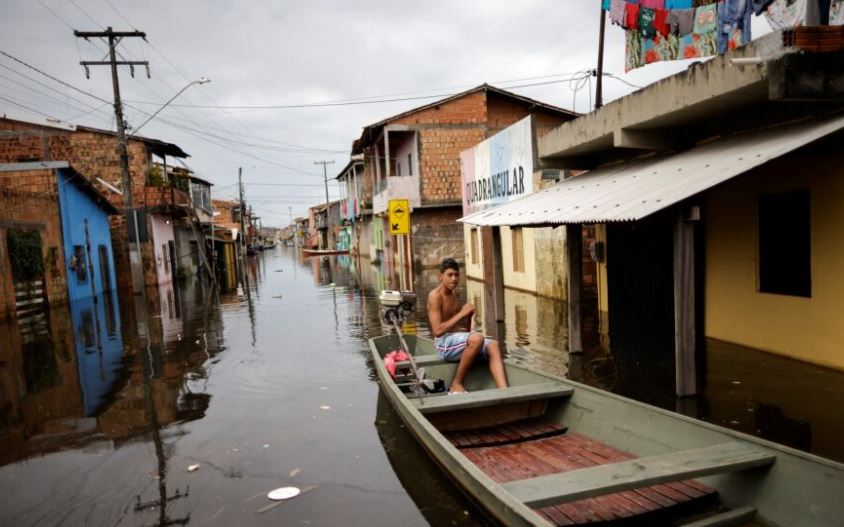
(498, 169)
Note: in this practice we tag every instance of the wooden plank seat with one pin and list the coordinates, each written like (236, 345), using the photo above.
(604, 479)
(421, 360)
(506, 434)
(572, 451)
(481, 398)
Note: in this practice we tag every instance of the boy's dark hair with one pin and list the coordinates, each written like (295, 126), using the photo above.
(449, 263)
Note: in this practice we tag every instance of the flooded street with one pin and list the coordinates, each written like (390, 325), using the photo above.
(270, 387)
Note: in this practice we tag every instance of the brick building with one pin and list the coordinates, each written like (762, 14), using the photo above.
(94, 153)
(55, 243)
(416, 155)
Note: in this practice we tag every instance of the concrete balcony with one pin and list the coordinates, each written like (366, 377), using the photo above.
(396, 187)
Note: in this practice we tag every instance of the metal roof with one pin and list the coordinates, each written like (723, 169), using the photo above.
(638, 189)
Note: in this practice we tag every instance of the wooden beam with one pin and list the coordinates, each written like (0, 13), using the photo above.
(584, 483)
(740, 516)
(685, 337)
(493, 397)
(574, 252)
(493, 280)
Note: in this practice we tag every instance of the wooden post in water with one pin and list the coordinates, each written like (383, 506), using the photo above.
(574, 252)
(493, 280)
(685, 338)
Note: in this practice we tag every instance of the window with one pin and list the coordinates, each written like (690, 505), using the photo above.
(166, 257)
(409, 164)
(473, 243)
(518, 250)
(105, 269)
(77, 263)
(398, 168)
(785, 244)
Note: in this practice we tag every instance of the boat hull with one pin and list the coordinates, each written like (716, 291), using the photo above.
(324, 252)
(798, 489)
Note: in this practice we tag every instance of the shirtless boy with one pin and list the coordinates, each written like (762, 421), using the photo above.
(452, 328)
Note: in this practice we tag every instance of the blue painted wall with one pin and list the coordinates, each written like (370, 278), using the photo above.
(77, 210)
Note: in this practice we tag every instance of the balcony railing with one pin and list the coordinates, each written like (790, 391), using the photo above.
(165, 197)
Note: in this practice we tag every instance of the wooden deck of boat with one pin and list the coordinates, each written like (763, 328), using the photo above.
(536, 447)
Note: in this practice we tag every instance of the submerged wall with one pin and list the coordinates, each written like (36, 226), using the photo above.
(804, 328)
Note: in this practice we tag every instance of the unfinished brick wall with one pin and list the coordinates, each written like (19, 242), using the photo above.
(33, 204)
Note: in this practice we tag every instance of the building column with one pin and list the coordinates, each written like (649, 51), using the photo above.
(685, 317)
(493, 281)
(574, 252)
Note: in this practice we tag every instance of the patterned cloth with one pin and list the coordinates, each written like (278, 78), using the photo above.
(705, 19)
(678, 4)
(646, 22)
(785, 14)
(633, 57)
(836, 13)
(652, 4)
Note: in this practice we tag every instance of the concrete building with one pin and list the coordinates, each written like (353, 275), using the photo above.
(355, 215)
(415, 156)
(494, 172)
(717, 195)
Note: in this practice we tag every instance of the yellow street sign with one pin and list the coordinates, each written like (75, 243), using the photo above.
(399, 216)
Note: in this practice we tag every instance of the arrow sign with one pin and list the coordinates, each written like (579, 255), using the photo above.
(399, 210)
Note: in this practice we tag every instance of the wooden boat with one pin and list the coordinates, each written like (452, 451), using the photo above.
(553, 451)
(324, 252)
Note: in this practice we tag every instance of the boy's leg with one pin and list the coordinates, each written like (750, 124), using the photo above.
(496, 364)
(474, 344)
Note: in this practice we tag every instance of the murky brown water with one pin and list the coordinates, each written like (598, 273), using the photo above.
(103, 415)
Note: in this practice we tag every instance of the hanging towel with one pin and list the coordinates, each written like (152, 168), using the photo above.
(605, 5)
(701, 3)
(652, 4)
(661, 22)
(617, 12)
(681, 22)
(646, 22)
(632, 50)
(631, 16)
(706, 19)
(678, 4)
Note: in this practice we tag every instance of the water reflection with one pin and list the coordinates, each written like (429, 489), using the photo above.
(105, 405)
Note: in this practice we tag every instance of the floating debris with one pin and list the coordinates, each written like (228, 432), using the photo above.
(276, 296)
(325, 407)
(294, 472)
(735, 382)
(266, 445)
(193, 468)
(283, 493)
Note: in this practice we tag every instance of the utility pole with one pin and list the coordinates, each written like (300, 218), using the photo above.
(325, 175)
(599, 95)
(242, 213)
(114, 38)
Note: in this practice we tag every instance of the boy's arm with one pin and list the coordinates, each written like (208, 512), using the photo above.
(435, 310)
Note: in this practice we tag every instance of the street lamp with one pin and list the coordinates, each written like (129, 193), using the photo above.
(202, 80)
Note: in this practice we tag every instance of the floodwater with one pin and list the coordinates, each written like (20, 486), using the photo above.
(103, 411)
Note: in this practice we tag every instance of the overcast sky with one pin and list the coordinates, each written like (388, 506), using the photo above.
(272, 53)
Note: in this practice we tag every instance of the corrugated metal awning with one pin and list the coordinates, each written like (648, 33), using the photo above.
(635, 190)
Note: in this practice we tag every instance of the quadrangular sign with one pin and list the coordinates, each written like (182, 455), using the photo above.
(498, 170)
(399, 216)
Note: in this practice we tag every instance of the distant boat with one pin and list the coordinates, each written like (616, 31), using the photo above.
(547, 450)
(324, 252)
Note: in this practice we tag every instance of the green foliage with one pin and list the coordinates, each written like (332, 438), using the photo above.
(155, 177)
(181, 183)
(25, 254)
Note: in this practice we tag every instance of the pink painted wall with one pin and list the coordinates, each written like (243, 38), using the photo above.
(162, 233)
